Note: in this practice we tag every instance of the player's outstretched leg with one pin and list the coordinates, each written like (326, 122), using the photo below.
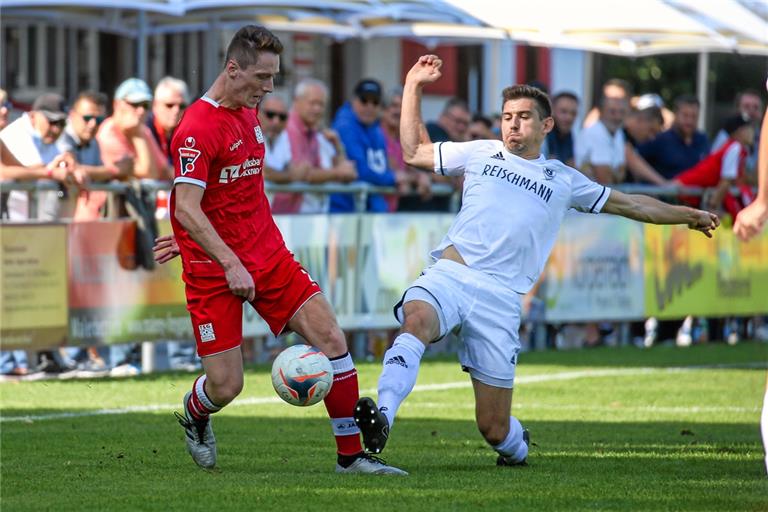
(201, 443)
(398, 376)
(372, 423)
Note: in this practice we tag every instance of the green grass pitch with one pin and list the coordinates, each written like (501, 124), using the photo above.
(613, 429)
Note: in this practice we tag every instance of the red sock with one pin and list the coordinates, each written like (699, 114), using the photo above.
(340, 403)
(200, 405)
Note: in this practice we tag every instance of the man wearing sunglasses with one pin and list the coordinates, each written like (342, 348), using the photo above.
(29, 151)
(171, 98)
(357, 123)
(125, 133)
(85, 117)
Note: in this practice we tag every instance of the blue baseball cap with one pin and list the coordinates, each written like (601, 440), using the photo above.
(133, 90)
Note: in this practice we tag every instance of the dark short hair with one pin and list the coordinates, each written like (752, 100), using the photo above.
(454, 103)
(686, 99)
(248, 42)
(97, 98)
(480, 118)
(652, 114)
(565, 94)
(515, 92)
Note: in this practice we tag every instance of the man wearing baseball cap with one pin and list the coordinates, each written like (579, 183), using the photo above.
(29, 150)
(357, 123)
(125, 134)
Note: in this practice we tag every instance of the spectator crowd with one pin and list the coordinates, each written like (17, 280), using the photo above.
(624, 139)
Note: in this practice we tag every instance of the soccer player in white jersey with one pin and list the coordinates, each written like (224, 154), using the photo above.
(513, 203)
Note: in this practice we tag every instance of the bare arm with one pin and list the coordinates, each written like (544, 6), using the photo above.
(417, 150)
(641, 169)
(647, 209)
(603, 174)
(12, 169)
(751, 220)
(191, 217)
(144, 166)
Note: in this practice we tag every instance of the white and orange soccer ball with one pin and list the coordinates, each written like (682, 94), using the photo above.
(302, 375)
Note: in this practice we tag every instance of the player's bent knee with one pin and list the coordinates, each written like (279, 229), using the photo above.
(223, 391)
(422, 322)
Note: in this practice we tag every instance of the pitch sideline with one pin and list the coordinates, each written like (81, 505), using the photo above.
(532, 379)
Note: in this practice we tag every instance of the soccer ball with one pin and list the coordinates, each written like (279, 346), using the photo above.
(302, 375)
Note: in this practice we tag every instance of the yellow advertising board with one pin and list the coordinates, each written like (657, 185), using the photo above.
(33, 285)
(687, 273)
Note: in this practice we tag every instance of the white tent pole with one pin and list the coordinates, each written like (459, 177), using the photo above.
(141, 45)
(702, 83)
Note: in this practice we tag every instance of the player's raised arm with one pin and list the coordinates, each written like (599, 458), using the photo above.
(417, 149)
(647, 209)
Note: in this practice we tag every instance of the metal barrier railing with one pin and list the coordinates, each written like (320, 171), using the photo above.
(361, 191)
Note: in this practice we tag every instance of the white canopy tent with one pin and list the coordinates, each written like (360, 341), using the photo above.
(633, 29)
(642, 27)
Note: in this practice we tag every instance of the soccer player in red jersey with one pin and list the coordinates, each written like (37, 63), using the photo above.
(232, 251)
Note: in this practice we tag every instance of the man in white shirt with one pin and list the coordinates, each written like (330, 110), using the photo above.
(30, 149)
(513, 203)
(600, 151)
(303, 152)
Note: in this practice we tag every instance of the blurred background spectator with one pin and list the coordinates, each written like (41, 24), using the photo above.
(559, 142)
(304, 152)
(357, 123)
(680, 147)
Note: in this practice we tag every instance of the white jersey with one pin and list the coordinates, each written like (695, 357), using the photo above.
(511, 208)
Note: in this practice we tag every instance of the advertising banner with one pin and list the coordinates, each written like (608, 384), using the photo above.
(326, 246)
(112, 300)
(33, 285)
(595, 271)
(398, 247)
(687, 273)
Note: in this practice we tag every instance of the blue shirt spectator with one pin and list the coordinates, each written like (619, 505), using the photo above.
(682, 146)
(357, 123)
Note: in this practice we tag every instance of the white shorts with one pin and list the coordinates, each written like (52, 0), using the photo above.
(484, 314)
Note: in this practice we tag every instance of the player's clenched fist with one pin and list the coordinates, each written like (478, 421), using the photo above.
(426, 70)
(705, 222)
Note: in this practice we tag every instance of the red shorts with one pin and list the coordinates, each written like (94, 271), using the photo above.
(282, 287)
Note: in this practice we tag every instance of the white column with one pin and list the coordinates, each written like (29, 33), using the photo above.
(569, 72)
(73, 62)
(141, 45)
(41, 59)
(93, 61)
(61, 61)
(499, 71)
(701, 87)
(23, 52)
(382, 60)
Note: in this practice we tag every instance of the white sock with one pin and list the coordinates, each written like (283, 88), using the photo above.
(513, 446)
(401, 367)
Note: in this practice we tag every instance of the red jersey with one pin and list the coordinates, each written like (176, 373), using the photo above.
(222, 151)
(725, 163)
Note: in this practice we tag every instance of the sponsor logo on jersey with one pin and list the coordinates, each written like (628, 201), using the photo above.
(206, 332)
(236, 144)
(234, 172)
(498, 156)
(496, 171)
(259, 135)
(548, 173)
(190, 142)
(187, 158)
